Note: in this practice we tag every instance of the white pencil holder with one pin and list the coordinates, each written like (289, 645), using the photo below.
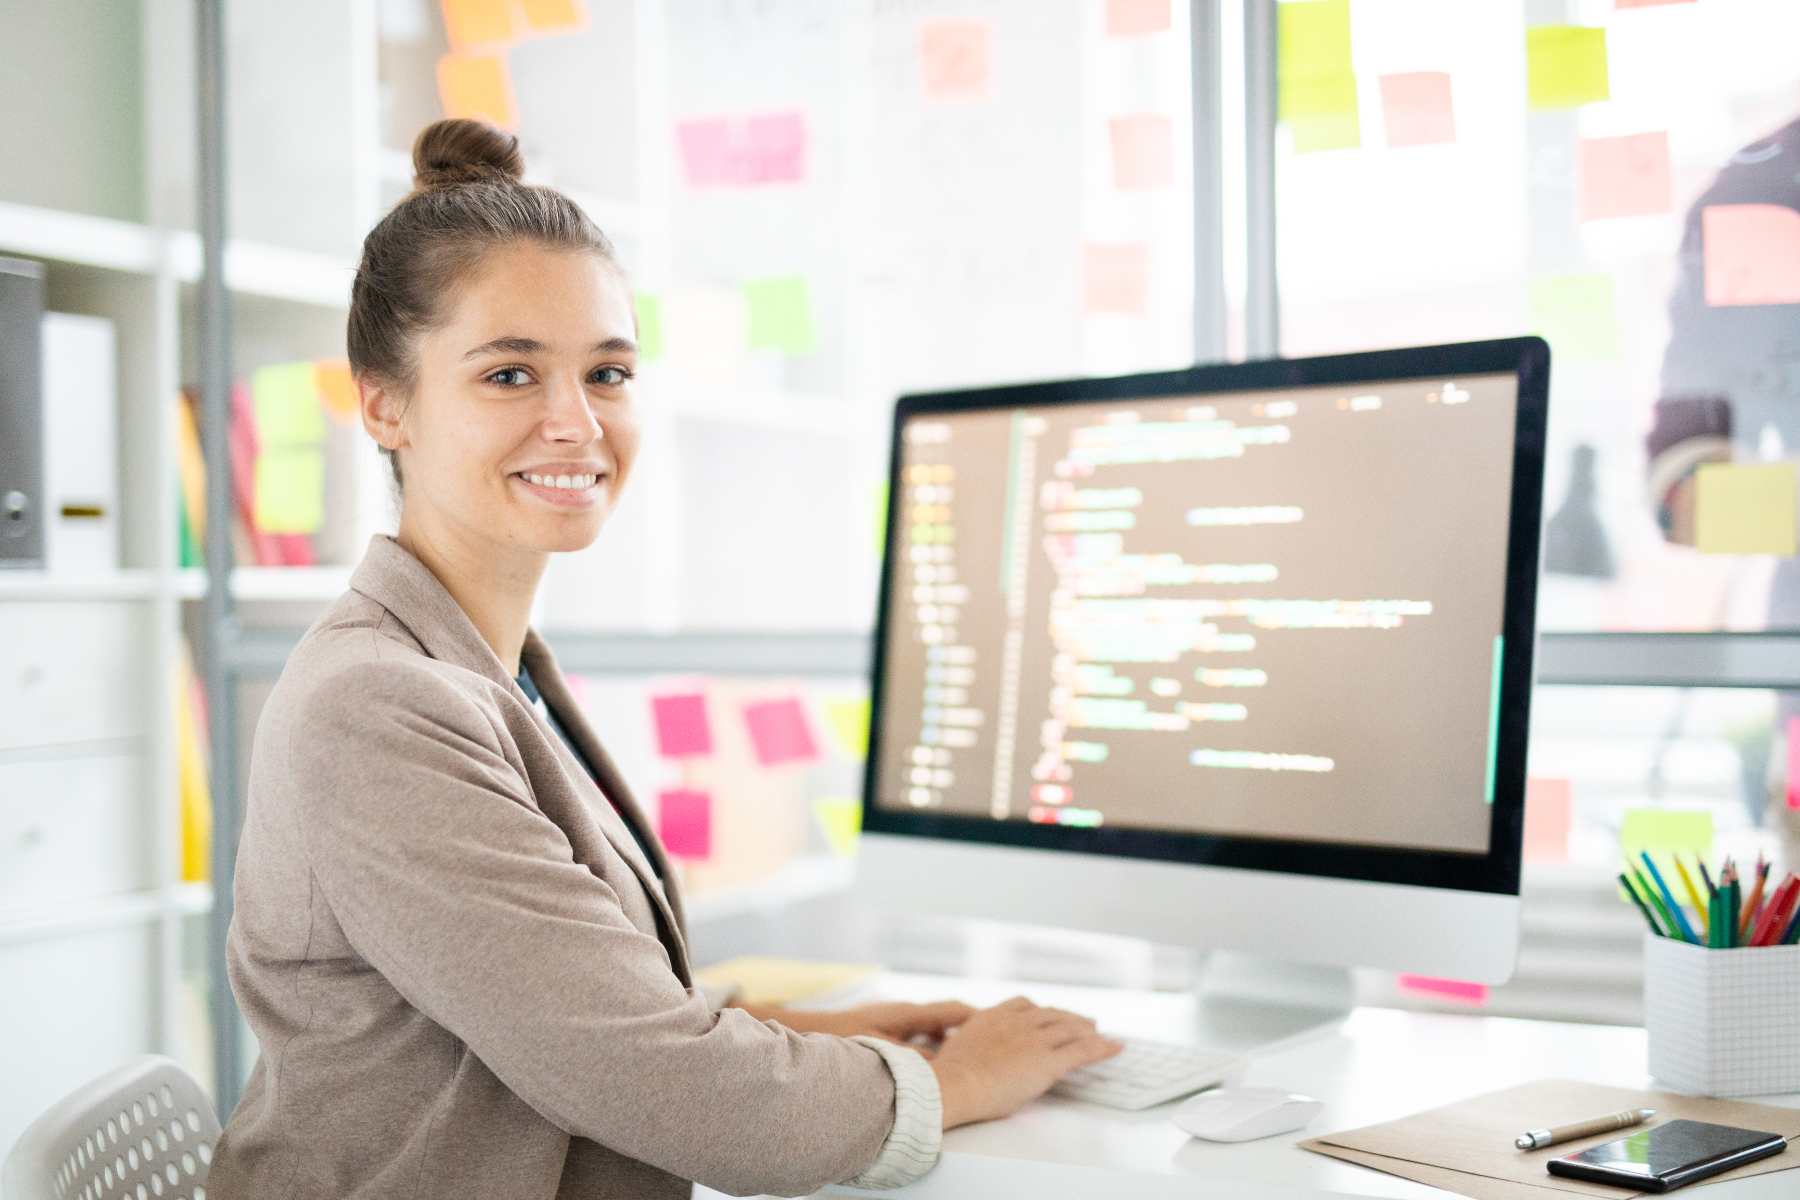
(1723, 1022)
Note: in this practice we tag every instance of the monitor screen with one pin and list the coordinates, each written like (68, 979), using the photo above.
(1265, 613)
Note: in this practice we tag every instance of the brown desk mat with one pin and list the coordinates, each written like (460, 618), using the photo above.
(1467, 1147)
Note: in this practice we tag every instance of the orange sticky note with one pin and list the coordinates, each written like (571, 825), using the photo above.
(1549, 815)
(1624, 176)
(1129, 18)
(336, 388)
(1143, 154)
(474, 23)
(955, 58)
(1115, 277)
(1752, 254)
(1416, 108)
(1746, 508)
(554, 16)
(478, 86)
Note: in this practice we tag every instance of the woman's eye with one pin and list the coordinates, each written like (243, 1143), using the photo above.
(507, 376)
(610, 376)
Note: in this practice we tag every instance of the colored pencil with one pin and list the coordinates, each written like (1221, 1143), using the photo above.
(1638, 900)
(1662, 885)
(1756, 894)
(1705, 877)
(1776, 910)
(1654, 901)
(1687, 881)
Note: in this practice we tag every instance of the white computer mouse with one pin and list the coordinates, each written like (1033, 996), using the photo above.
(1242, 1114)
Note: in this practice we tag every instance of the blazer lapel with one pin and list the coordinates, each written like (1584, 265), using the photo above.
(400, 583)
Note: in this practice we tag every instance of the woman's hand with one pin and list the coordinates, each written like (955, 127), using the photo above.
(894, 1022)
(1002, 1058)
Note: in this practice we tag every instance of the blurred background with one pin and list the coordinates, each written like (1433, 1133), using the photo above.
(824, 204)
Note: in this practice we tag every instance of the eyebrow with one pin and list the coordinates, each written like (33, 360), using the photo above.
(525, 345)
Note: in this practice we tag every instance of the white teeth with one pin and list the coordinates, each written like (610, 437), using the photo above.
(567, 482)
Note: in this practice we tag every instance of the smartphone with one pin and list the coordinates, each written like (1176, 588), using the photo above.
(1667, 1156)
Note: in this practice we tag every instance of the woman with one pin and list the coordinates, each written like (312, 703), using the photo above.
(456, 937)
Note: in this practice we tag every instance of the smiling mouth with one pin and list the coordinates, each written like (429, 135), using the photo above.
(561, 483)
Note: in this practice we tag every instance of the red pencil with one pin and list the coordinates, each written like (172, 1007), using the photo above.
(1775, 916)
(1750, 902)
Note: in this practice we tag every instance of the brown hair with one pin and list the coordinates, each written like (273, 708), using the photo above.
(467, 199)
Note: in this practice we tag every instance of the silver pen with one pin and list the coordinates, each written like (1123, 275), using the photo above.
(1537, 1139)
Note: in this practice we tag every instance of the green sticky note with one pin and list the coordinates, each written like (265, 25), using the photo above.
(290, 490)
(1663, 830)
(1576, 313)
(1746, 508)
(780, 315)
(286, 401)
(841, 819)
(1338, 131)
(849, 724)
(650, 326)
(1565, 66)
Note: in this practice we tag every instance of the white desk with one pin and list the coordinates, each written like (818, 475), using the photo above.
(1379, 1065)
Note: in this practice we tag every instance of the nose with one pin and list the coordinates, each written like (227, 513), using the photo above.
(569, 417)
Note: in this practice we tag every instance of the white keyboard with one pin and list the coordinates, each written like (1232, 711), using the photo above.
(1146, 1073)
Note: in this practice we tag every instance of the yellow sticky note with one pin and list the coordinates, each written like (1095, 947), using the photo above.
(1662, 830)
(841, 819)
(337, 388)
(470, 23)
(478, 86)
(849, 724)
(1576, 313)
(782, 980)
(554, 16)
(1746, 508)
(780, 315)
(285, 399)
(1336, 131)
(1565, 65)
(290, 490)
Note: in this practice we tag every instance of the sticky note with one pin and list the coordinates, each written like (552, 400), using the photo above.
(781, 980)
(1793, 762)
(337, 389)
(553, 16)
(1752, 254)
(474, 23)
(1577, 314)
(774, 148)
(1314, 76)
(779, 733)
(1565, 65)
(878, 519)
(285, 399)
(1132, 18)
(1549, 816)
(841, 819)
(478, 86)
(780, 315)
(706, 154)
(1746, 508)
(684, 822)
(848, 721)
(734, 152)
(682, 729)
(649, 326)
(1658, 830)
(289, 494)
(955, 58)
(1143, 152)
(1415, 108)
(1115, 277)
(1450, 989)
(1341, 131)
(1624, 176)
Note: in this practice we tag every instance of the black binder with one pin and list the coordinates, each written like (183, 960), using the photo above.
(21, 414)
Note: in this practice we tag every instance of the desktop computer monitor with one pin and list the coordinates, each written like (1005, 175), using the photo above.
(1236, 657)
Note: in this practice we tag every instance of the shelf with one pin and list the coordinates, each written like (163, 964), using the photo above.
(270, 272)
(103, 912)
(806, 878)
(271, 584)
(125, 584)
(80, 240)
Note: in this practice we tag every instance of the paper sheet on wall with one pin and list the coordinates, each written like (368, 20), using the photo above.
(955, 58)
(1624, 176)
(1315, 80)
(474, 24)
(1416, 109)
(684, 822)
(478, 86)
(841, 819)
(1576, 314)
(1666, 830)
(1143, 152)
(337, 389)
(290, 489)
(1752, 254)
(682, 729)
(554, 16)
(1116, 277)
(1549, 818)
(1746, 508)
(779, 732)
(780, 315)
(1133, 18)
(649, 326)
(1565, 66)
(848, 720)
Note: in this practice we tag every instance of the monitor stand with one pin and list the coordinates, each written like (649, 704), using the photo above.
(1248, 1004)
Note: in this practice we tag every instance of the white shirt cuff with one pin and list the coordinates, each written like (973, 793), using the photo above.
(912, 1145)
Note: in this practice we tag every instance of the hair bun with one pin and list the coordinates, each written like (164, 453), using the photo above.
(459, 150)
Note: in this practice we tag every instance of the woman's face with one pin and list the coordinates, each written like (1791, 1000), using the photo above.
(521, 430)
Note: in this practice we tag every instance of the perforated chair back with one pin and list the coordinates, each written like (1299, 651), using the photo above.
(145, 1131)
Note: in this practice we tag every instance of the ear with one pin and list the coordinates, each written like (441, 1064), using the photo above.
(381, 408)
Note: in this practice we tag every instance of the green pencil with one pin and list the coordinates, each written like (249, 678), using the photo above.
(1656, 902)
(1641, 907)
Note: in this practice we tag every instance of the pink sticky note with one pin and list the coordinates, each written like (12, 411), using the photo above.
(1415, 108)
(1752, 253)
(1453, 989)
(1115, 277)
(1647, 3)
(727, 152)
(684, 822)
(1143, 152)
(1549, 815)
(774, 148)
(779, 732)
(681, 727)
(1624, 176)
(1793, 774)
(955, 58)
(1128, 18)
(705, 151)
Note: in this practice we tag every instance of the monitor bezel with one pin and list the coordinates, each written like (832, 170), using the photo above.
(1496, 870)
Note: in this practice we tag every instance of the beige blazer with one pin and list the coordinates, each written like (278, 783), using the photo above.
(464, 976)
